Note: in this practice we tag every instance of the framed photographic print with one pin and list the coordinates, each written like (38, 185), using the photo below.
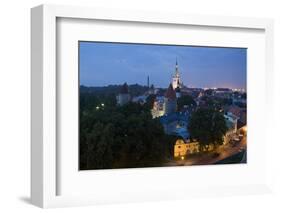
(149, 106)
(137, 109)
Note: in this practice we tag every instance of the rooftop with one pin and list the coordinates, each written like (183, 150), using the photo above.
(176, 116)
(170, 93)
(124, 89)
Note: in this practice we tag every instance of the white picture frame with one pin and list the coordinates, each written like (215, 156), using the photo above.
(44, 154)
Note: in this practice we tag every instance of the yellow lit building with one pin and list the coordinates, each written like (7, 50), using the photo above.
(183, 148)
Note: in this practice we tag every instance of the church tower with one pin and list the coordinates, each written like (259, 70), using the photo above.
(123, 97)
(178, 90)
(176, 77)
(170, 100)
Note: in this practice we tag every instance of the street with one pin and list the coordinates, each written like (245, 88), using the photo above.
(224, 151)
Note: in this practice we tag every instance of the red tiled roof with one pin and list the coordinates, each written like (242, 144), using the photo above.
(235, 110)
(170, 93)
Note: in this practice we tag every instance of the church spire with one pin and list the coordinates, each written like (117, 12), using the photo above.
(176, 78)
(177, 68)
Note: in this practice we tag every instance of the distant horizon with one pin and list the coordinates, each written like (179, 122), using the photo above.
(104, 64)
(166, 87)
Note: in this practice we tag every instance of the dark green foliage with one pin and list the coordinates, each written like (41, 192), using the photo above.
(226, 101)
(186, 100)
(217, 102)
(241, 105)
(120, 137)
(135, 90)
(208, 126)
(150, 101)
(209, 92)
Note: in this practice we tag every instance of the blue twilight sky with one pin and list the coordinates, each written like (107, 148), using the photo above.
(103, 64)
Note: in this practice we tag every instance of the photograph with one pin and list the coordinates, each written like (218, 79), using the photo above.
(161, 105)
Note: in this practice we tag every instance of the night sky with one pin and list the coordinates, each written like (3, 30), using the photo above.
(103, 64)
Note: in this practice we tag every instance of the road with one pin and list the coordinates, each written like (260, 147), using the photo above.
(224, 151)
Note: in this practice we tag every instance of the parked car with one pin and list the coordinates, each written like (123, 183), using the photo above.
(241, 136)
(237, 139)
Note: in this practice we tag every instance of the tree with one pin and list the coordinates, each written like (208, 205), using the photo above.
(208, 126)
(226, 101)
(216, 103)
(244, 95)
(120, 136)
(150, 101)
(186, 100)
(209, 92)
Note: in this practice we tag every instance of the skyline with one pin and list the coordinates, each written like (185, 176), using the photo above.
(103, 64)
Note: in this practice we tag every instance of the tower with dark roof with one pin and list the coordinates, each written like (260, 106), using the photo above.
(123, 97)
(170, 100)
